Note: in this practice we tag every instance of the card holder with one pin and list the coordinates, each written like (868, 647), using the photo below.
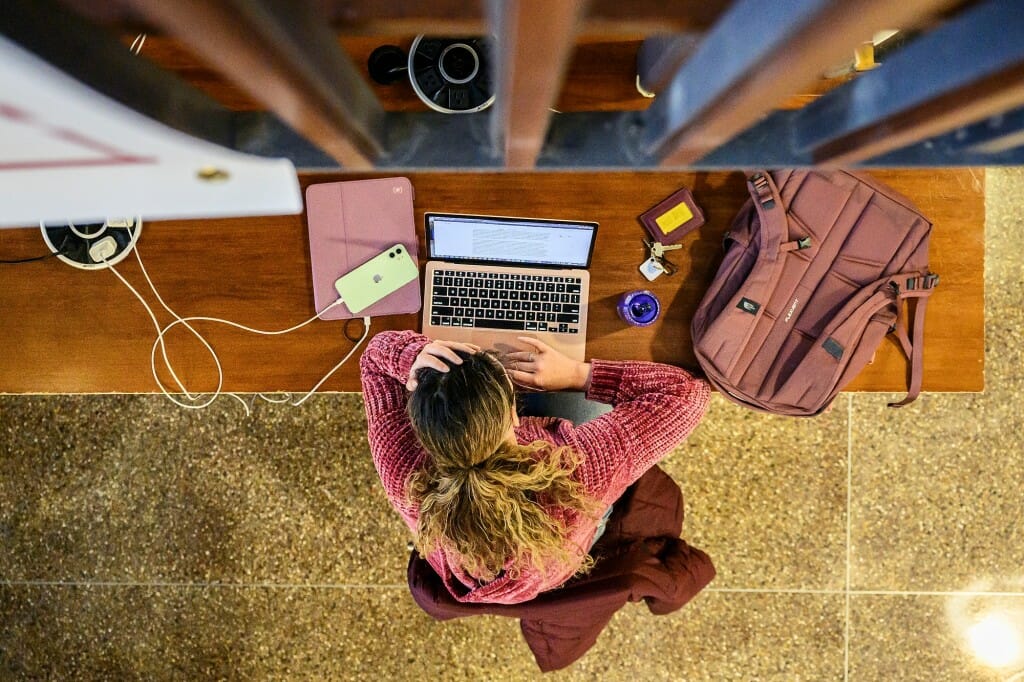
(674, 217)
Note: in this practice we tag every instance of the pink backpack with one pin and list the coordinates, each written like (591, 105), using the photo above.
(817, 268)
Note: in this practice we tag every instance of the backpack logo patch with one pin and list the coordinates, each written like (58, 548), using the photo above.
(792, 307)
(748, 306)
(833, 348)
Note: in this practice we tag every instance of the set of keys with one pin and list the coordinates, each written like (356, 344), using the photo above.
(657, 264)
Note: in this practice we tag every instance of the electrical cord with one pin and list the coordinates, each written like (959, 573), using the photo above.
(198, 401)
(53, 254)
(28, 260)
(136, 48)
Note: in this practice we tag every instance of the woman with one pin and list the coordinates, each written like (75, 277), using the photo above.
(504, 508)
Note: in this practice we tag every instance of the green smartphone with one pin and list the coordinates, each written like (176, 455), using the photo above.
(376, 278)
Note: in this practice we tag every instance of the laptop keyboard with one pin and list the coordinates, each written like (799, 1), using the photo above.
(502, 300)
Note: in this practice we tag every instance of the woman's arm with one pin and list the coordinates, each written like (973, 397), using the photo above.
(384, 369)
(656, 407)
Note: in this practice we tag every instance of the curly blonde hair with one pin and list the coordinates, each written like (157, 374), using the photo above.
(482, 497)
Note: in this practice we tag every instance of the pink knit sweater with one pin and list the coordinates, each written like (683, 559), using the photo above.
(655, 407)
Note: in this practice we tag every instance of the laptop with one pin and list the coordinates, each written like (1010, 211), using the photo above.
(490, 279)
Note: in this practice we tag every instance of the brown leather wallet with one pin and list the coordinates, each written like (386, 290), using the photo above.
(673, 217)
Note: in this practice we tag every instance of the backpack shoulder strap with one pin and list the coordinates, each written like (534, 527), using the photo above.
(920, 289)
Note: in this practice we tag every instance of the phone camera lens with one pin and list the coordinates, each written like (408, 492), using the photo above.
(398, 250)
(391, 255)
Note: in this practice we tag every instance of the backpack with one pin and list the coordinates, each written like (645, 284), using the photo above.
(817, 268)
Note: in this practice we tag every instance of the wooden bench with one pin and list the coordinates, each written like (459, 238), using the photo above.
(70, 331)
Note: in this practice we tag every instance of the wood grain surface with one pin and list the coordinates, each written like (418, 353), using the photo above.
(70, 331)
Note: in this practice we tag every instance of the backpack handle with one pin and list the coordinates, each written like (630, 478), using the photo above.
(771, 211)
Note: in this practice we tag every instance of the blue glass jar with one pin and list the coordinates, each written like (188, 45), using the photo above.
(639, 308)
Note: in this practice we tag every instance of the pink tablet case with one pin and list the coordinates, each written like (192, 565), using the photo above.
(350, 223)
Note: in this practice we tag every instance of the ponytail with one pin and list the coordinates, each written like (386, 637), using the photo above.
(493, 504)
(497, 514)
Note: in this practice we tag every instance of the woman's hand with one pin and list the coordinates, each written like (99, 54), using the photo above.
(438, 355)
(541, 367)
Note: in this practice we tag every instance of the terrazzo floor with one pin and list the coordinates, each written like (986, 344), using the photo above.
(141, 541)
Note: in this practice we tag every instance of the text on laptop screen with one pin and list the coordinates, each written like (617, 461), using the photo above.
(510, 240)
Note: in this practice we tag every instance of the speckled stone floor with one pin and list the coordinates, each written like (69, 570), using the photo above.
(140, 541)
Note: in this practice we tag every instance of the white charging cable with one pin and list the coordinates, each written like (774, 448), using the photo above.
(136, 48)
(197, 401)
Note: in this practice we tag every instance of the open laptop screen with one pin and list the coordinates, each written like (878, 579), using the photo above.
(519, 241)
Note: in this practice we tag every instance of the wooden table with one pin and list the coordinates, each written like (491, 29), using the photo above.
(71, 331)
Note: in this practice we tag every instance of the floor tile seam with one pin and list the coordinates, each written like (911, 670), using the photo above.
(775, 590)
(328, 586)
(849, 542)
(863, 593)
(404, 586)
(936, 593)
(201, 585)
(869, 593)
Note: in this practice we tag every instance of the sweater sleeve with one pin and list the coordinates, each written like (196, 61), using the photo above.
(655, 407)
(384, 369)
